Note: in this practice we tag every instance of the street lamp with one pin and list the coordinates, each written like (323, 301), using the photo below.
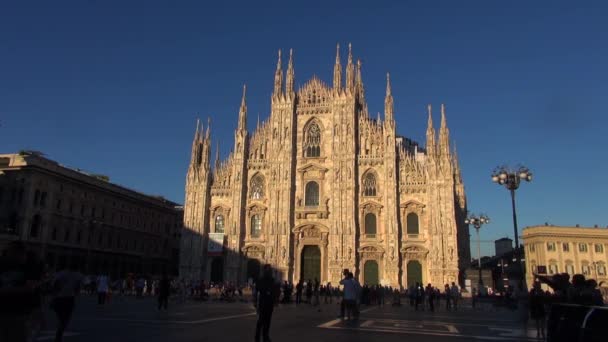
(510, 178)
(477, 222)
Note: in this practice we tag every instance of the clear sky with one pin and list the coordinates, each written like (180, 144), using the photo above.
(115, 87)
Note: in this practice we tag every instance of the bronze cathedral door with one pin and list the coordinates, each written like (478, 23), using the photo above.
(311, 263)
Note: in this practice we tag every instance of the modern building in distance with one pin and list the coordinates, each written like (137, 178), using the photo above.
(503, 246)
(321, 186)
(70, 217)
(573, 250)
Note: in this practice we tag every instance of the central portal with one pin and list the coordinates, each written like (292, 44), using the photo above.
(311, 263)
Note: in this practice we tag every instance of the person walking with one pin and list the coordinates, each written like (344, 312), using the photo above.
(164, 288)
(448, 297)
(299, 289)
(309, 286)
(16, 294)
(454, 295)
(537, 309)
(349, 295)
(430, 294)
(102, 289)
(264, 298)
(66, 286)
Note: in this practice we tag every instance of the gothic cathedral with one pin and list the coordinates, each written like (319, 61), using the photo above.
(320, 186)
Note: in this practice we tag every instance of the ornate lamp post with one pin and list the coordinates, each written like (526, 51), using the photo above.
(477, 222)
(510, 178)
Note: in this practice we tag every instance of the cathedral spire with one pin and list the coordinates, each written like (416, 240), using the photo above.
(430, 134)
(350, 70)
(243, 112)
(278, 78)
(359, 80)
(337, 70)
(444, 134)
(207, 132)
(217, 156)
(290, 75)
(388, 101)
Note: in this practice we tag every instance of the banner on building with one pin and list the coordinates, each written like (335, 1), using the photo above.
(216, 244)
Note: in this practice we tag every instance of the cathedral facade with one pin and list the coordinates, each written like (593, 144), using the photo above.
(321, 186)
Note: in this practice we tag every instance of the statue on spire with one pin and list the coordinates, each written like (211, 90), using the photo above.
(388, 101)
(290, 75)
(337, 70)
(278, 78)
(350, 70)
(243, 111)
(444, 134)
(431, 148)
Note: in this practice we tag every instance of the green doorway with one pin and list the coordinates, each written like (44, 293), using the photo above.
(370, 273)
(311, 263)
(253, 269)
(217, 270)
(414, 272)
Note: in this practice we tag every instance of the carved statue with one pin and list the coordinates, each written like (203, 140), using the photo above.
(451, 252)
(392, 253)
(336, 253)
(270, 251)
(283, 253)
(350, 252)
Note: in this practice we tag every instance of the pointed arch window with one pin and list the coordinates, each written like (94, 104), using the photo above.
(256, 226)
(312, 141)
(219, 224)
(312, 194)
(369, 184)
(257, 187)
(412, 224)
(370, 224)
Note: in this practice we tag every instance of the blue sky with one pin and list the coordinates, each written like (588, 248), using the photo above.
(115, 87)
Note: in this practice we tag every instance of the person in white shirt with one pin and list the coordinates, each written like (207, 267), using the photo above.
(349, 296)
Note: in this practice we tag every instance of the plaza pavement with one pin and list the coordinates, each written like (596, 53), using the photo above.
(134, 320)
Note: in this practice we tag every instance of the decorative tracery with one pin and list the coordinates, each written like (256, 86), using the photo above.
(219, 224)
(312, 141)
(369, 184)
(257, 187)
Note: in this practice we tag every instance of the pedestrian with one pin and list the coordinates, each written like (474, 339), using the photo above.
(102, 289)
(66, 286)
(299, 289)
(309, 286)
(264, 298)
(349, 295)
(164, 288)
(537, 309)
(448, 297)
(455, 295)
(430, 294)
(17, 296)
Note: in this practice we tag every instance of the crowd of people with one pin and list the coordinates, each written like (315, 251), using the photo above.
(26, 287)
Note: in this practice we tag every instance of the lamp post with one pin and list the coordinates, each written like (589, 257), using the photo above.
(510, 179)
(477, 222)
(502, 271)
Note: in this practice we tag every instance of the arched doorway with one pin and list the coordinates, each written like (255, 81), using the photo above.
(310, 268)
(414, 272)
(253, 269)
(217, 270)
(370, 273)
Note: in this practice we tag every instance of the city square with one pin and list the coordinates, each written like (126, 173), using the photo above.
(289, 171)
(138, 319)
